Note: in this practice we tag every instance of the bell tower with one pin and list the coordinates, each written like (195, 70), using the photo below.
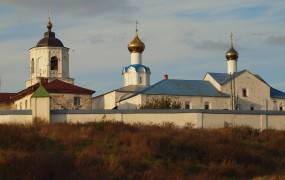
(232, 58)
(49, 59)
(136, 73)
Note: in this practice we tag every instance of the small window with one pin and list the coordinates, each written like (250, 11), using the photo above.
(141, 81)
(76, 101)
(54, 63)
(207, 106)
(187, 105)
(281, 108)
(252, 108)
(20, 106)
(244, 92)
(32, 66)
(26, 104)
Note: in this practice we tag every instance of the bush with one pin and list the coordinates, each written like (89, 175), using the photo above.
(161, 103)
(113, 150)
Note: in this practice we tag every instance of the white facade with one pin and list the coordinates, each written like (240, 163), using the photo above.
(136, 73)
(232, 66)
(49, 62)
(136, 58)
(136, 76)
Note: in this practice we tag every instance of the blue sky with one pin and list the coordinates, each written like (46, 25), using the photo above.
(184, 38)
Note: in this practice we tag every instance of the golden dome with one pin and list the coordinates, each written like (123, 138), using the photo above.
(136, 45)
(232, 54)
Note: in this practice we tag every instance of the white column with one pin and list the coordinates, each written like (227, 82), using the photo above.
(41, 109)
(232, 66)
(136, 58)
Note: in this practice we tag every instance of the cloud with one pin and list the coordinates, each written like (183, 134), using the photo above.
(211, 45)
(184, 37)
(74, 7)
(275, 40)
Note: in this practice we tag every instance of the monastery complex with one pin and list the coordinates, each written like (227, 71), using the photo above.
(50, 86)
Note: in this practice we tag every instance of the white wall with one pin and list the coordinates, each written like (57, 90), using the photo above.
(196, 118)
(16, 119)
(42, 57)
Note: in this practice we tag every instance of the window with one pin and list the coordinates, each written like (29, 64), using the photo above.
(32, 66)
(252, 108)
(141, 80)
(244, 92)
(281, 108)
(20, 106)
(54, 63)
(188, 105)
(76, 101)
(207, 106)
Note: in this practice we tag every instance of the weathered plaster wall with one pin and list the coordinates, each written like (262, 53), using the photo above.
(66, 101)
(196, 102)
(258, 91)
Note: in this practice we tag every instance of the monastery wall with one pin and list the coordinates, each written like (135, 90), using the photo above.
(196, 118)
(16, 117)
(180, 118)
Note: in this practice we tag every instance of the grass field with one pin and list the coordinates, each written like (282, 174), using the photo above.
(119, 151)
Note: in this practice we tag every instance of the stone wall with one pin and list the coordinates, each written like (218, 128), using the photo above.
(66, 101)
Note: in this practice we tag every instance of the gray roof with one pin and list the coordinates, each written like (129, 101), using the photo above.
(274, 93)
(223, 78)
(127, 89)
(174, 87)
(131, 88)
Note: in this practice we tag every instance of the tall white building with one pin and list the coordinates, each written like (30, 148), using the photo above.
(136, 73)
(49, 70)
(49, 59)
(136, 77)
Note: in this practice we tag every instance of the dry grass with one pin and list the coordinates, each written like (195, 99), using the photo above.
(119, 151)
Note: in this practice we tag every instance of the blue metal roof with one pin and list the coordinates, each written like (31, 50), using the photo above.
(223, 78)
(175, 87)
(137, 67)
(274, 93)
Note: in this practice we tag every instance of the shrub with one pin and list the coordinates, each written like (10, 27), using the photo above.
(161, 103)
(114, 150)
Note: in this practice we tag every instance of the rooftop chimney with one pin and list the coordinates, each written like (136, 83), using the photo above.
(165, 77)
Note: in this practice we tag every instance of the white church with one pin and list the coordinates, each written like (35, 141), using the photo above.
(50, 77)
(232, 90)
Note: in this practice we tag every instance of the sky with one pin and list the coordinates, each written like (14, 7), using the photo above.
(184, 38)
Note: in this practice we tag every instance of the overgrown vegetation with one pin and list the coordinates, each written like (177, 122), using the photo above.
(161, 103)
(119, 151)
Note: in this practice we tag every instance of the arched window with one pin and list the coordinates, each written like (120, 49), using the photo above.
(54, 63)
(33, 66)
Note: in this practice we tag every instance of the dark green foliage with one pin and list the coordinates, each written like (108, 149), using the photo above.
(112, 150)
(161, 103)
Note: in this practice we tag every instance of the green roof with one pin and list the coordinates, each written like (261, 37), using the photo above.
(41, 92)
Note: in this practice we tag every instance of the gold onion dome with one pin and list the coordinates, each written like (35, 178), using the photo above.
(136, 45)
(232, 54)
